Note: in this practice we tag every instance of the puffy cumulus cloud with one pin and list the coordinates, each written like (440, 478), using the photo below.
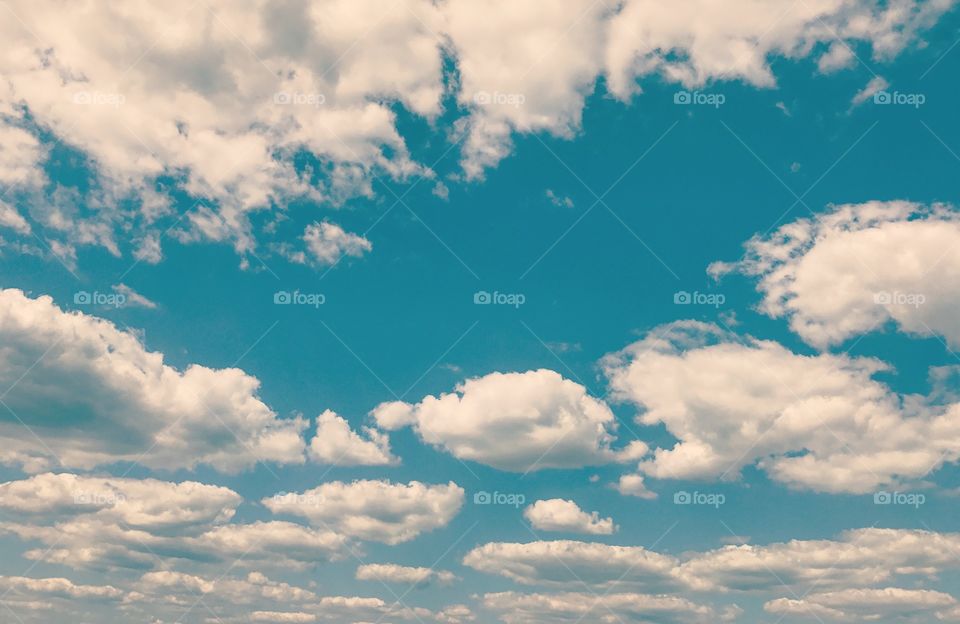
(146, 504)
(848, 271)
(84, 393)
(855, 559)
(634, 485)
(96, 542)
(222, 97)
(325, 244)
(10, 218)
(557, 514)
(566, 563)
(392, 573)
(523, 68)
(40, 600)
(374, 510)
(357, 609)
(19, 587)
(526, 68)
(257, 598)
(701, 41)
(859, 605)
(518, 608)
(818, 422)
(335, 443)
(172, 587)
(226, 101)
(516, 422)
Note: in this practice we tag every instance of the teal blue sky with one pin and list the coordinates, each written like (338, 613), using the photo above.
(598, 232)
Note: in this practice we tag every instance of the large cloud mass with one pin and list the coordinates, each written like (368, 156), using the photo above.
(515, 421)
(818, 422)
(79, 392)
(224, 99)
(854, 268)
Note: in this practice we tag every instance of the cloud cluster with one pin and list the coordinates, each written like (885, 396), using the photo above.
(856, 267)
(246, 107)
(857, 558)
(557, 514)
(335, 443)
(373, 510)
(125, 404)
(409, 575)
(819, 422)
(516, 422)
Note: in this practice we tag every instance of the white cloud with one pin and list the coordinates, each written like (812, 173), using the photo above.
(134, 299)
(816, 422)
(224, 98)
(856, 559)
(335, 443)
(567, 563)
(109, 522)
(145, 504)
(860, 605)
(374, 510)
(20, 586)
(98, 543)
(876, 84)
(392, 573)
(123, 402)
(327, 242)
(634, 485)
(10, 218)
(517, 608)
(848, 271)
(515, 422)
(557, 514)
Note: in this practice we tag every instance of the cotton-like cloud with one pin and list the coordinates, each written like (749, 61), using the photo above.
(81, 393)
(518, 608)
(849, 271)
(326, 243)
(146, 504)
(859, 605)
(392, 573)
(374, 510)
(335, 443)
(557, 514)
(226, 102)
(855, 559)
(634, 485)
(815, 422)
(91, 542)
(105, 522)
(516, 422)
(566, 563)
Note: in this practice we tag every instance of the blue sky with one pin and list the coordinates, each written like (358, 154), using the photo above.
(806, 400)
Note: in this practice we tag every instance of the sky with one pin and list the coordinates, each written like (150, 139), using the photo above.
(461, 311)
